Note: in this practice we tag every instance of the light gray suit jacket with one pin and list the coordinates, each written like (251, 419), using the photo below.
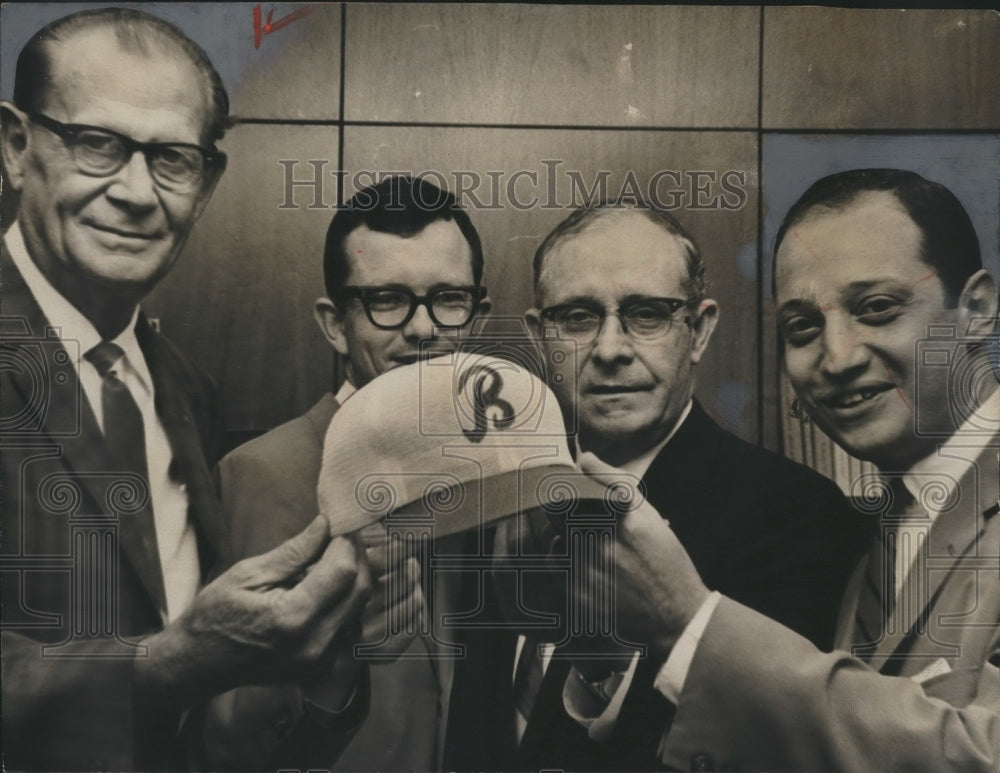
(760, 697)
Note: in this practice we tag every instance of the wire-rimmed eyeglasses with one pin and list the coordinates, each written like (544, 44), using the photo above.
(643, 319)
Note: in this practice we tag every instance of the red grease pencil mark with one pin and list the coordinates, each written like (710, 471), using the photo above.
(899, 391)
(269, 25)
(903, 398)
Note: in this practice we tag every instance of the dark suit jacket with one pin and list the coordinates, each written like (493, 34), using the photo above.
(762, 529)
(68, 700)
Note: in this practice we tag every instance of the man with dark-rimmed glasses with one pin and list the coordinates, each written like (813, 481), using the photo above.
(620, 288)
(403, 266)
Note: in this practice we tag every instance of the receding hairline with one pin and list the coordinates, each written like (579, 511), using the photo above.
(858, 201)
(134, 33)
(63, 72)
(595, 217)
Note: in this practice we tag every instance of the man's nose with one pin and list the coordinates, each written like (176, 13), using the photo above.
(420, 326)
(844, 349)
(133, 185)
(612, 342)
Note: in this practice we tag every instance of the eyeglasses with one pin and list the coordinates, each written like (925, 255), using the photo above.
(99, 152)
(642, 319)
(391, 308)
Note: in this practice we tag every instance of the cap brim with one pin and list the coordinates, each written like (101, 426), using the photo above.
(478, 503)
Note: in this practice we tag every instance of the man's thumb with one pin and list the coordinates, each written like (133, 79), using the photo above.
(289, 559)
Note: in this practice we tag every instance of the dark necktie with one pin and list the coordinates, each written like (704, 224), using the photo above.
(123, 426)
(527, 678)
(878, 590)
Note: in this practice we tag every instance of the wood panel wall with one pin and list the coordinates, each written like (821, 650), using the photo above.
(633, 91)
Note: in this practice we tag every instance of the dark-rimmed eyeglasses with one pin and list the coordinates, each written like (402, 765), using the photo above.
(391, 308)
(100, 152)
(642, 319)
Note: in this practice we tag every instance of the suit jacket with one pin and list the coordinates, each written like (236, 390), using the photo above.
(760, 528)
(269, 495)
(783, 704)
(79, 590)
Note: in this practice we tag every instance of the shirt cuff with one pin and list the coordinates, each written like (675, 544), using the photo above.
(348, 717)
(596, 715)
(670, 678)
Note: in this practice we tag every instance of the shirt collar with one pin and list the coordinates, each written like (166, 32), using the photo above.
(346, 390)
(947, 465)
(638, 465)
(70, 321)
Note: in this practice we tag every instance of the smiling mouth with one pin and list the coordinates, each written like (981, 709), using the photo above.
(121, 233)
(855, 397)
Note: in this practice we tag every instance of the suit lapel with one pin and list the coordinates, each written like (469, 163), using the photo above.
(189, 465)
(548, 713)
(953, 536)
(844, 636)
(686, 457)
(85, 454)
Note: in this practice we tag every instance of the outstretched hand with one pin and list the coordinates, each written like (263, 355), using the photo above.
(270, 618)
(657, 590)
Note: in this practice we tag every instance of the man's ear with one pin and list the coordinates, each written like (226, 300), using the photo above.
(331, 322)
(703, 322)
(978, 305)
(15, 141)
(533, 320)
(485, 306)
(208, 187)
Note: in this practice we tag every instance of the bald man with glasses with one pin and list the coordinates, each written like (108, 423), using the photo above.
(111, 524)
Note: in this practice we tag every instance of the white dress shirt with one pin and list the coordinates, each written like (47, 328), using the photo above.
(346, 390)
(175, 536)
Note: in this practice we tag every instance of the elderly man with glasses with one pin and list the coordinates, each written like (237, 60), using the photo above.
(623, 286)
(403, 266)
(110, 521)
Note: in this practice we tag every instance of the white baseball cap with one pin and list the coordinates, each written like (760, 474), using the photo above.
(464, 438)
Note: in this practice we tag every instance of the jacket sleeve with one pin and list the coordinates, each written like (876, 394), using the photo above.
(273, 727)
(268, 497)
(787, 705)
(76, 710)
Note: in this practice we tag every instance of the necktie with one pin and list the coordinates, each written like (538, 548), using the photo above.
(125, 438)
(527, 678)
(123, 427)
(877, 596)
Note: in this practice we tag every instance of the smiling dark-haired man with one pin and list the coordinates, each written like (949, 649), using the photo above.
(887, 317)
